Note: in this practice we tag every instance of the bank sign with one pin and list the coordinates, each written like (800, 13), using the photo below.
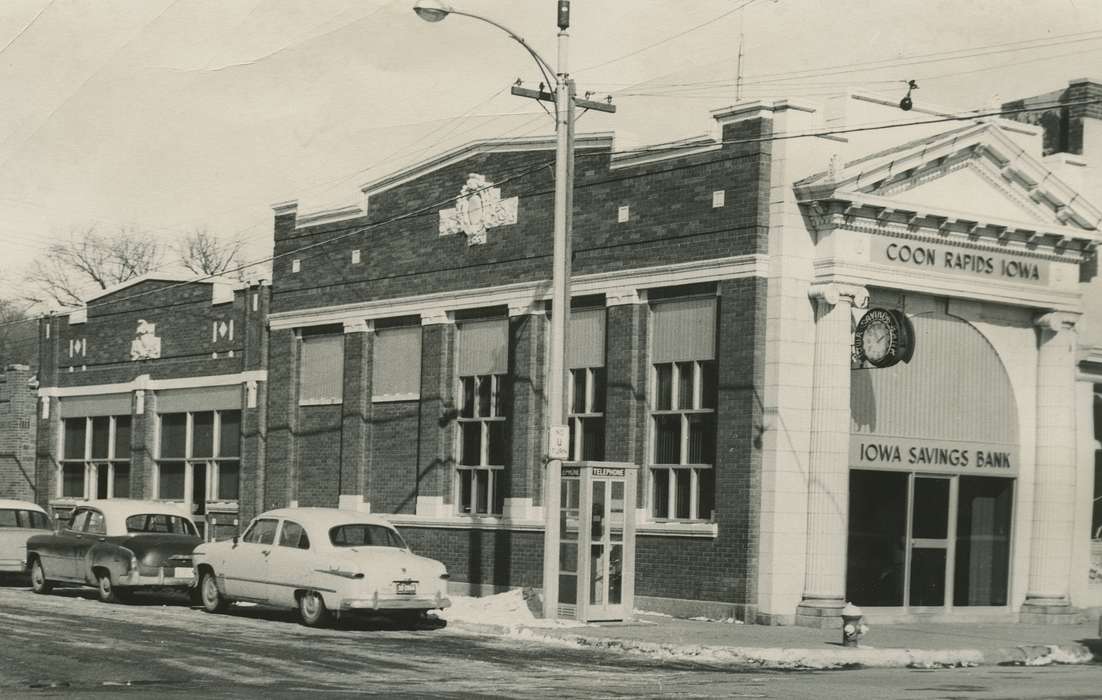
(935, 456)
(921, 256)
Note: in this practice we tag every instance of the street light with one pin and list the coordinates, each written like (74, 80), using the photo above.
(435, 11)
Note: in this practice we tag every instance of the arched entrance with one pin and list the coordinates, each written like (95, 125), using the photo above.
(933, 464)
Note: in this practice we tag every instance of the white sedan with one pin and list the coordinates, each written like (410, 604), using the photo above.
(19, 521)
(321, 561)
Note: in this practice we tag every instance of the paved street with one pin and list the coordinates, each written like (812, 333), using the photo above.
(70, 645)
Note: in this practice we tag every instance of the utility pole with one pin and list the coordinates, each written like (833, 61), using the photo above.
(558, 434)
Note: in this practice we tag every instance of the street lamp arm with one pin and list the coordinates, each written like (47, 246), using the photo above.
(544, 65)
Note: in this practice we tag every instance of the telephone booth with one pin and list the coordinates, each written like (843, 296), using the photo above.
(597, 541)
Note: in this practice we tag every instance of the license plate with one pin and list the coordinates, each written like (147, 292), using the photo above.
(406, 587)
(180, 572)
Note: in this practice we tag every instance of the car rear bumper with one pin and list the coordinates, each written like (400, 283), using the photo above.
(13, 566)
(393, 602)
(162, 579)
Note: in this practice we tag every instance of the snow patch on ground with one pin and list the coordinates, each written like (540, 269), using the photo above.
(771, 658)
(1061, 655)
(509, 609)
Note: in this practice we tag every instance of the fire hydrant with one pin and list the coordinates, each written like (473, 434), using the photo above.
(853, 625)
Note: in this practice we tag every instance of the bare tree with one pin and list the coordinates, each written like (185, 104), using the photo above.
(90, 261)
(18, 334)
(204, 254)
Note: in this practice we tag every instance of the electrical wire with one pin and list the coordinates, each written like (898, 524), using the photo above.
(972, 116)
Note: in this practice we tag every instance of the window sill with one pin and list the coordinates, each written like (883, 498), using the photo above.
(702, 529)
(464, 522)
(395, 398)
(320, 402)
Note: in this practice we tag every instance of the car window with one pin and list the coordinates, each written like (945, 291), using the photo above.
(160, 522)
(293, 535)
(77, 524)
(364, 535)
(9, 518)
(262, 532)
(34, 519)
(95, 524)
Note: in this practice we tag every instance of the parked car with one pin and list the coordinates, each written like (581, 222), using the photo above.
(19, 521)
(322, 561)
(119, 546)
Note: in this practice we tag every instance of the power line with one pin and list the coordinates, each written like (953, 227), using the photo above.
(668, 39)
(529, 170)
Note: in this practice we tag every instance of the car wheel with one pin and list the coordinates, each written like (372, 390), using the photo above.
(107, 593)
(39, 584)
(312, 610)
(209, 595)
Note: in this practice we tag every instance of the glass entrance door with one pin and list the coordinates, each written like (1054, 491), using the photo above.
(928, 541)
(606, 550)
(931, 535)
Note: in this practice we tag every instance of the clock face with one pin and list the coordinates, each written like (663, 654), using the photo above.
(876, 341)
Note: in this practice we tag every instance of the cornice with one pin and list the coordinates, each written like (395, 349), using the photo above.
(884, 215)
(476, 148)
(526, 294)
(145, 383)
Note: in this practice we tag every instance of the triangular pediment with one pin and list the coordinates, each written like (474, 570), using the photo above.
(969, 184)
(976, 169)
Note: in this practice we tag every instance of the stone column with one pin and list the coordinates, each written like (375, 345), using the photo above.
(828, 462)
(1047, 597)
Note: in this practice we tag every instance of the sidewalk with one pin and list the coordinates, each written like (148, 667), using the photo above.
(922, 645)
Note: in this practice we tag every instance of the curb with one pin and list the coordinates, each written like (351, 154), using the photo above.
(789, 659)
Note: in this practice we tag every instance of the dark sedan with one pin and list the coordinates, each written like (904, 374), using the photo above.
(118, 546)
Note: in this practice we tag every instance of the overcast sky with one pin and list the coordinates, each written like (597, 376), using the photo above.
(167, 115)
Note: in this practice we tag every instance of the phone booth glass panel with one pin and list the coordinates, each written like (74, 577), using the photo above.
(596, 558)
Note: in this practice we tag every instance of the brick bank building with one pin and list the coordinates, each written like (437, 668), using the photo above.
(717, 285)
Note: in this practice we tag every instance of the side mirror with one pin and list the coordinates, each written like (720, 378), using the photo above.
(235, 540)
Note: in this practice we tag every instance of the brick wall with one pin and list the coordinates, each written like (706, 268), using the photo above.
(17, 434)
(672, 220)
(501, 558)
(392, 485)
(1062, 123)
(97, 352)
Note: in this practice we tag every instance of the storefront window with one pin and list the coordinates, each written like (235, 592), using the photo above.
(199, 457)
(901, 543)
(95, 457)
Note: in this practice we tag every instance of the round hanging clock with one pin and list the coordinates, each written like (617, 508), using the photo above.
(884, 337)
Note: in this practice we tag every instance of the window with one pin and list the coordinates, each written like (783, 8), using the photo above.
(586, 400)
(199, 456)
(95, 525)
(79, 521)
(321, 369)
(365, 536)
(95, 457)
(396, 364)
(683, 405)
(261, 532)
(483, 450)
(24, 518)
(161, 523)
(293, 535)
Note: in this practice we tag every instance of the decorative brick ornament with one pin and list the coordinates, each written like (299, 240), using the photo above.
(478, 207)
(146, 345)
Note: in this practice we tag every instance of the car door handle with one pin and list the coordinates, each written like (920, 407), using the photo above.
(265, 552)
